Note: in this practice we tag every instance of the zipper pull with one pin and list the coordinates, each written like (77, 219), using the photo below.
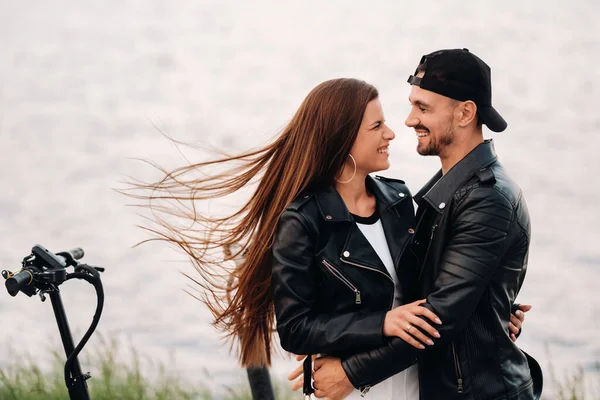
(432, 231)
(358, 301)
(364, 390)
(460, 385)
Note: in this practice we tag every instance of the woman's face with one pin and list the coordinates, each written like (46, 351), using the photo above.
(370, 149)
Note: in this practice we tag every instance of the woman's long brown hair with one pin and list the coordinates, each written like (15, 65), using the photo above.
(232, 254)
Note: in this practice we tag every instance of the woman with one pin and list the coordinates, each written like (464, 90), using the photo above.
(337, 250)
(320, 243)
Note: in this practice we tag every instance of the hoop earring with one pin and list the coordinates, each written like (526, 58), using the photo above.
(353, 175)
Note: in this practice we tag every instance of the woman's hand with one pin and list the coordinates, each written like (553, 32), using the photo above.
(516, 321)
(404, 322)
(298, 373)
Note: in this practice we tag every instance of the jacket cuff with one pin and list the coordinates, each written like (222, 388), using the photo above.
(354, 380)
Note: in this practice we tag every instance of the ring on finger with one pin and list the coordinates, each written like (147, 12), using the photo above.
(408, 327)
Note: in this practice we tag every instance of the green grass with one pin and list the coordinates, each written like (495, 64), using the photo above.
(573, 385)
(114, 379)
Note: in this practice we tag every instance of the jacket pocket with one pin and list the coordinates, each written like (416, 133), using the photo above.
(337, 274)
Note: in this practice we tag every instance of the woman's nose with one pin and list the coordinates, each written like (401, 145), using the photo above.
(389, 134)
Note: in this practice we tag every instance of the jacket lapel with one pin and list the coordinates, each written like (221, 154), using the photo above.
(440, 189)
(359, 253)
(356, 252)
(394, 227)
(395, 230)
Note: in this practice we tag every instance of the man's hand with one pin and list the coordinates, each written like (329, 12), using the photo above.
(330, 379)
(516, 321)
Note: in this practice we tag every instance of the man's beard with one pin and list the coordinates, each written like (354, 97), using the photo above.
(437, 144)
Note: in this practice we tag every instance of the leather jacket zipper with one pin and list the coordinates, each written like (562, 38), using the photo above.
(365, 267)
(342, 278)
(364, 390)
(376, 270)
(433, 228)
(459, 379)
(432, 232)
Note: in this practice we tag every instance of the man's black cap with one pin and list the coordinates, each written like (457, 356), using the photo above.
(460, 75)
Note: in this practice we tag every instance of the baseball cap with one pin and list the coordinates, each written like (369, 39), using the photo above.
(460, 75)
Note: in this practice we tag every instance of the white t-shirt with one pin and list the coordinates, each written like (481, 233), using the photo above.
(405, 384)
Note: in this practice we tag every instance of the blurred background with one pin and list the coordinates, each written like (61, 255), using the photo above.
(86, 87)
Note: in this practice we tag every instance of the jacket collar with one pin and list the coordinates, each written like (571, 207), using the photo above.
(333, 208)
(438, 191)
(357, 250)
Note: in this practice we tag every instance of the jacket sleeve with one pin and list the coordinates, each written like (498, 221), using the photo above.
(479, 239)
(301, 329)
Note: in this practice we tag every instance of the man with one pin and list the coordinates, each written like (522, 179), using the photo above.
(471, 245)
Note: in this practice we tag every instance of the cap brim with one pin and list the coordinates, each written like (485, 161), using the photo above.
(492, 119)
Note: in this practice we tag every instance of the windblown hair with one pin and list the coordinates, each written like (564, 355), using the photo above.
(236, 286)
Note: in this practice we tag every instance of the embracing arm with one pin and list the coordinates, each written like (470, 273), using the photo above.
(480, 237)
(294, 282)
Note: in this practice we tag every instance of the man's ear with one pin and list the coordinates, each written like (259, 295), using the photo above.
(468, 113)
